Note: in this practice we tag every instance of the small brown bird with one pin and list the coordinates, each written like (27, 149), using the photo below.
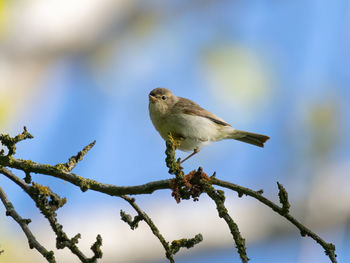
(193, 125)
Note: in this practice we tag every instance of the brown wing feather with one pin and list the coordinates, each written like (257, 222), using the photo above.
(192, 108)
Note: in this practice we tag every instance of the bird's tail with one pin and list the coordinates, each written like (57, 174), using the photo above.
(249, 137)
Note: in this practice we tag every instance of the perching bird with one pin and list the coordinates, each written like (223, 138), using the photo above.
(191, 124)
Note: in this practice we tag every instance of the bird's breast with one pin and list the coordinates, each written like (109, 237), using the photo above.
(195, 131)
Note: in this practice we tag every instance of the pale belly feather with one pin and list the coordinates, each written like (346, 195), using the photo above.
(196, 131)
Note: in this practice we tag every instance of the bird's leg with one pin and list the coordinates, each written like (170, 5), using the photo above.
(196, 150)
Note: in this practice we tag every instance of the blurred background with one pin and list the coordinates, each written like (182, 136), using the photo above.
(76, 71)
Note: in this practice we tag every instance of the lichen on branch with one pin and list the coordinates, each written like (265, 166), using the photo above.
(10, 142)
(174, 165)
(184, 242)
(73, 161)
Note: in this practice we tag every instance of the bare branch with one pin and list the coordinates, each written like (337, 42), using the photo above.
(73, 161)
(283, 195)
(152, 226)
(10, 142)
(174, 165)
(96, 249)
(175, 245)
(48, 202)
(284, 211)
(133, 223)
(183, 186)
(33, 243)
(219, 198)
(184, 242)
(59, 171)
(149, 188)
(329, 248)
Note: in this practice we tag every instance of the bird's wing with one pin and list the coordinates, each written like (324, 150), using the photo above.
(191, 108)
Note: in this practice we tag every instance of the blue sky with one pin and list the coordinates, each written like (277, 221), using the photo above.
(292, 59)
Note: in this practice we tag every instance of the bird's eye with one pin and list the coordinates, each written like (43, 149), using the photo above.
(163, 97)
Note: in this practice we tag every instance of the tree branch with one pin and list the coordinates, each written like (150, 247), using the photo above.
(33, 243)
(174, 165)
(283, 196)
(219, 198)
(10, 142)
(329, 248)
(73, 161)
(169, 250)
(142, 215)
(48, 203)
(59, 171)
(183, 186)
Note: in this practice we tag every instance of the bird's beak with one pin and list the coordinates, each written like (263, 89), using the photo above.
(152, 98)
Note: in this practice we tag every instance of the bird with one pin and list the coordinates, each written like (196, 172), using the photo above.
(193, 126)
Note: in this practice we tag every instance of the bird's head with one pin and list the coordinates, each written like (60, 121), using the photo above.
(161, 100)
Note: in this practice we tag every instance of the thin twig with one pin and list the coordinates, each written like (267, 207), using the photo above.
(219, 198)
(73, 161)
(329, 248)
(152, 226)
(175, 245)
(33, 243)
(10, 142)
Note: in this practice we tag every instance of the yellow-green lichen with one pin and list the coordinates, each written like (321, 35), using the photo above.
(42, 190)
(61, 167)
